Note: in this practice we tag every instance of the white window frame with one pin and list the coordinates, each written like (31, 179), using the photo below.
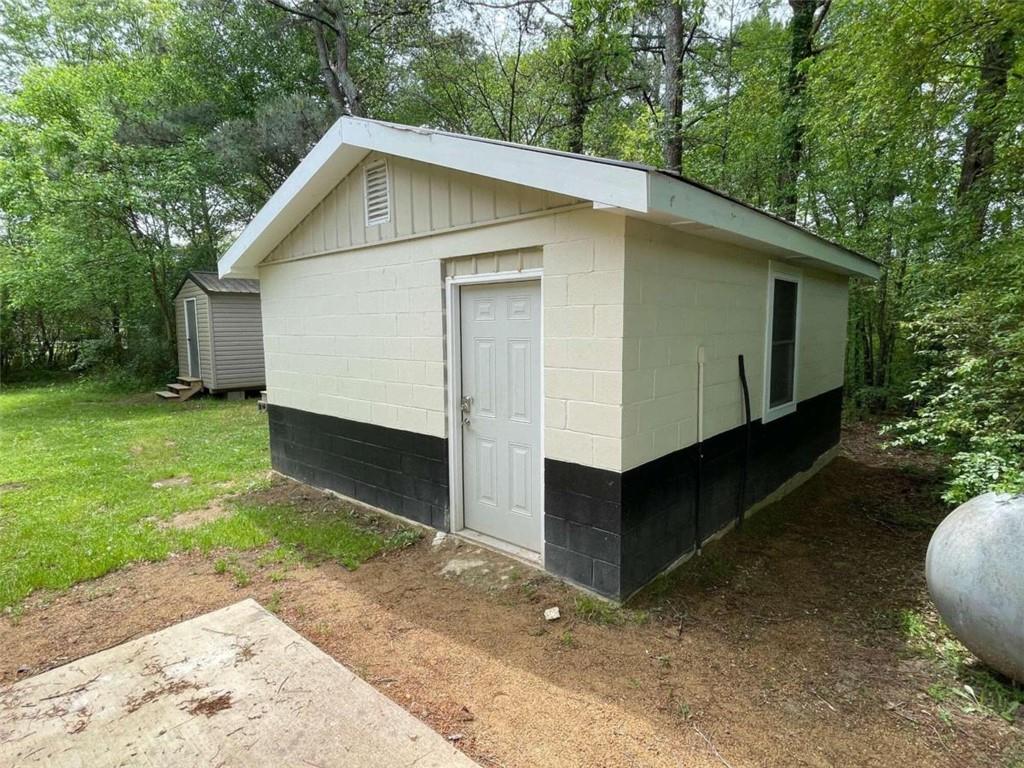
(387, 188)
(776, 272)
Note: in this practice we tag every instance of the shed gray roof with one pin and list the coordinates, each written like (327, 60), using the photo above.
(212, 283)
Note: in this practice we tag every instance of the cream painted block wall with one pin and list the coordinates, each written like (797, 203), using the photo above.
(822, 351)
(359, 334)
(683, 292)
(584, 290)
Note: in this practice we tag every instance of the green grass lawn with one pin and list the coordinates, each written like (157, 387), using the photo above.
(77, 500)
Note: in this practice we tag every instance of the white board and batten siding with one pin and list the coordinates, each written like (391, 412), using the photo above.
(189, 290)
(423, 199)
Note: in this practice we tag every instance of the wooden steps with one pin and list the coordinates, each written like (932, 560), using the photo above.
(181, 390)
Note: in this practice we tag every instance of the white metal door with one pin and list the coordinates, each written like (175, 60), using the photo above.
(501, 411)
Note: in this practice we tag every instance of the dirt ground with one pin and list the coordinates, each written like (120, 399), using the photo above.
(777, 647)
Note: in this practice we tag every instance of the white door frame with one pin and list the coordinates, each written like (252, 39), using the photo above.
(193, 335)
(453, 320)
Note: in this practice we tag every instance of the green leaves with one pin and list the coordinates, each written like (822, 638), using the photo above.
(968, 400)
(114, 177)
(137, 136)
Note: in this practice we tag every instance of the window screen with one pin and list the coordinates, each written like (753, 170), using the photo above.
(783, 350)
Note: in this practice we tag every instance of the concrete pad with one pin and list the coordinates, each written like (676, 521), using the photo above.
(236, 687)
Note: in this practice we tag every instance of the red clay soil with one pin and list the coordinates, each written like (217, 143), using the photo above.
(777, 647)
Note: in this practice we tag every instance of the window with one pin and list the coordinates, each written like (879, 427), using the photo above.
(378, 196)
(781, 361)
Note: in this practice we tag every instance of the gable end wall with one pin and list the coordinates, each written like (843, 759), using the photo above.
(425, 199)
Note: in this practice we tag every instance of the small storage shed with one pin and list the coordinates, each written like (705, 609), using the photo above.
(591, 364)
(220, 334)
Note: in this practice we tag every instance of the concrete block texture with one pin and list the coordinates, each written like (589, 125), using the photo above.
(687, 292)
(612, 532)
(355, 320)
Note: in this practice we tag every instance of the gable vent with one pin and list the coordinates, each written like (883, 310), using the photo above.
(378, 196)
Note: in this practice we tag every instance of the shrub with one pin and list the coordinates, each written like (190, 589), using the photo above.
(969, 401)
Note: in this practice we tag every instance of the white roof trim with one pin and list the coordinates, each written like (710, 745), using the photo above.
(634, 191)
(311, 181)
(619, 186)
(671, 197)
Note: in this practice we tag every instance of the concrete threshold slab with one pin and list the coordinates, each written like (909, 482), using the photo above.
(236, 687)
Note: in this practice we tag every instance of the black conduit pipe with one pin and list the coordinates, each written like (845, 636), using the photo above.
(697, 500)
(746, 448)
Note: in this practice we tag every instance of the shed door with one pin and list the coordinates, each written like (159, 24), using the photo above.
(501, 407)
(192, 337)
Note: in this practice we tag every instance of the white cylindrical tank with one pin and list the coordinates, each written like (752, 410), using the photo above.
(975, 572)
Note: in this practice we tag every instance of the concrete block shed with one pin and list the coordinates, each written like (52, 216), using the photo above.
(541, 351)
(220, 332)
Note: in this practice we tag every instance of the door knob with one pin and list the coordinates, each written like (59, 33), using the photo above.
(465, 404)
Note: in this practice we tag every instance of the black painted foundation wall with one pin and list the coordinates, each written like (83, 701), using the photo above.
(402, 472)
(613, 532)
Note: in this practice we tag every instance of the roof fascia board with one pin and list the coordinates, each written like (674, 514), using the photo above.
(685, 201)
(603, 183)
(181, 283)
(631, 191)
(327, 163)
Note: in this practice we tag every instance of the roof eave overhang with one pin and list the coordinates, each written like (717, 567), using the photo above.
(612, 185)
(319, 172)
(349, 140)
(628, 190)
(690, 208)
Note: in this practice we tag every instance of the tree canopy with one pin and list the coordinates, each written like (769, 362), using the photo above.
(138, 136)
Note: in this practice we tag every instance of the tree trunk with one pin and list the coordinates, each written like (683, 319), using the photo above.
(582, 72)
(973, 192)
(353, 97)
(802, 27)
(723, 158)
(673, 99)
(579, 107)
(327, 17)
(327, 71)
(162, 302)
